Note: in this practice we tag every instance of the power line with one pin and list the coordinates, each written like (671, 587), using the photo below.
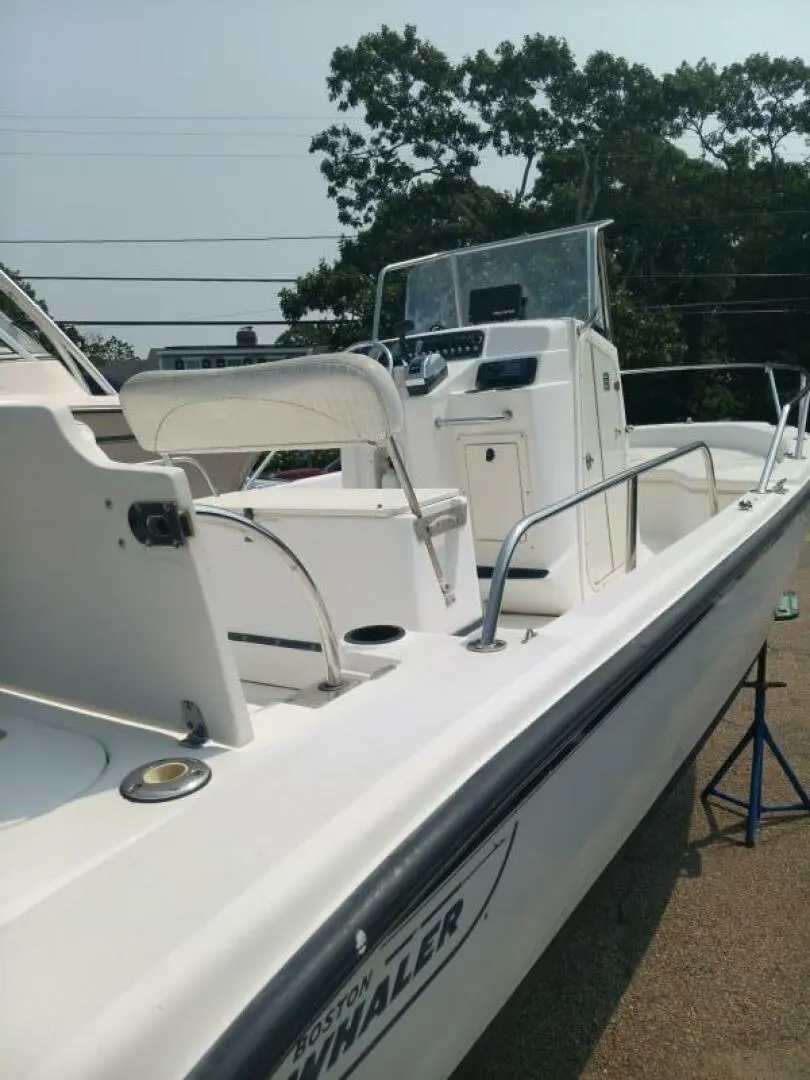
(162, 134)
(204, 322)
(182, 239)
(160, 118)
(711, 304)
(709, 310)
(139, 154)
(751, 311)
(154, 277)
(687, 275)
(341, 236)
(732, 215)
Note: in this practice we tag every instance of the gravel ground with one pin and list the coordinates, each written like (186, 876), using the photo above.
(690, 957)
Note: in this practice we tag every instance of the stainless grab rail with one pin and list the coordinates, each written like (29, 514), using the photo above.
(491, 418)
(768, 367)
(334, 675)
(487, 641)
(170, 461)
(776, 441)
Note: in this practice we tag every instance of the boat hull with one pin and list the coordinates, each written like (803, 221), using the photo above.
(416, 1003)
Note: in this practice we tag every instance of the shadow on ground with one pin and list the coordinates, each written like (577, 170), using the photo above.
(551, 1025)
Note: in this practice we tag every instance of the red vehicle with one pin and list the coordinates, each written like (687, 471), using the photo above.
(304, 472)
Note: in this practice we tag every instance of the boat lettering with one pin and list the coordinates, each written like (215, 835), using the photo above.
(399, 968)
(317, 1052)
(320, 1027)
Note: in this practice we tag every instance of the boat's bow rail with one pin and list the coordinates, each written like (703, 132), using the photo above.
(800, 399)
(782, 410)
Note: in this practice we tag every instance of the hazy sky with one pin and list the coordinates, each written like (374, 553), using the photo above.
(215, 63)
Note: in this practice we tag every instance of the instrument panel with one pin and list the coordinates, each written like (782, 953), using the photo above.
(451, 344)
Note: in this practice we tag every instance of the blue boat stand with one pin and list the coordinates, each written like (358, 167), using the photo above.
(759, 735)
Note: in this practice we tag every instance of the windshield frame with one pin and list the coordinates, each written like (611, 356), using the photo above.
(16, 342)
(598, 299)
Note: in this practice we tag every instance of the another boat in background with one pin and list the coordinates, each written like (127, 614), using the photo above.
(55, 370)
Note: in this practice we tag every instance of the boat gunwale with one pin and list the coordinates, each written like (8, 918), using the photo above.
(260, 1037)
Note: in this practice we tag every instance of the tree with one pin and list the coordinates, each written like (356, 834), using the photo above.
(106, 352)
(306, 336)
(704, 171)
(413, 103)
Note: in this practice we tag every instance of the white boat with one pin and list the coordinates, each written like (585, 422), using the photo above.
(55, 369)
(320, 824)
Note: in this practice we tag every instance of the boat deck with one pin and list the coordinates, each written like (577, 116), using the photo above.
(735, 470)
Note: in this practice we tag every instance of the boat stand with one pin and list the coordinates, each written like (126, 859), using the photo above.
(759, 735)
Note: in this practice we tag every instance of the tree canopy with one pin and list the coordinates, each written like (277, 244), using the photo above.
(704, 170)
(106, 352)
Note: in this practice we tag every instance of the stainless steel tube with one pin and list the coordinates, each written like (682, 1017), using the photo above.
(334, 674)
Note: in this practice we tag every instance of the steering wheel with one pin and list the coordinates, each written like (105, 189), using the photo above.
(383, 354)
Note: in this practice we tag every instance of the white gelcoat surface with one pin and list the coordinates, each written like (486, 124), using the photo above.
(176, 915)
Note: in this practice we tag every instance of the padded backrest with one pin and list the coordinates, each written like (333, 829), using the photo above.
(88, 613)
(329, 400)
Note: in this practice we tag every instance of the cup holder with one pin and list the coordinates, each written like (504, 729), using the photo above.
(378, 634)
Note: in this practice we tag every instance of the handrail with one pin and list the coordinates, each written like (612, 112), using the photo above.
(252, 477)
(773, 450)
(716, 365)
(487, 641)
(767, 366)
(492, 418)
(334, 675)
(167, 460)
(183, 459)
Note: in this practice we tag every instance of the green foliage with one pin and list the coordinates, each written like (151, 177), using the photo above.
(414, 107)
(106, 352)
(704, 170)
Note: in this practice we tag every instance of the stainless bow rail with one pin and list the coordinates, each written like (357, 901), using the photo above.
(769, 369)
(335, 678)
(776, 442)
(487, 642)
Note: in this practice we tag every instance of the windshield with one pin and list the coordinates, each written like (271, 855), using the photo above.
(548, 276)
(10, 332)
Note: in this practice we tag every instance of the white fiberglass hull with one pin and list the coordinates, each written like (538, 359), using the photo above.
(472, 940)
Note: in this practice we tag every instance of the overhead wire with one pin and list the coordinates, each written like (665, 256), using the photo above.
(167, 117)
(161, 277)
(150, 154)
(179, 239)
(160, 134)
(750, 213)
(685, 275)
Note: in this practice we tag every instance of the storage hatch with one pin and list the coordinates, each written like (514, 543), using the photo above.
(495, 488)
